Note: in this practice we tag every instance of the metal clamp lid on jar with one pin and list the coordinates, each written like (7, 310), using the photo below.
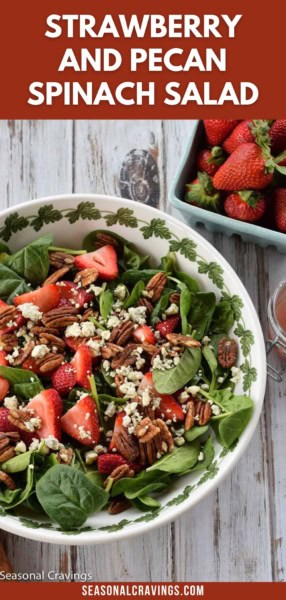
(277, 332)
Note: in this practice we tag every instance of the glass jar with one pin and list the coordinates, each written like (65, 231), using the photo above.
(277, 328)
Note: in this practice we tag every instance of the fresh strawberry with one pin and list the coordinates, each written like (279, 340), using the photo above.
(208, 161)
(218, 129)
(241, 134)
(48, 406)
(82, 363)
(169, 408)
(4, 384)
(46, 298)
(19, 321)
(245, 206)
(144, 333)
(108, 462)
(73, 343)
(168, 326)
(104, 260)
(30, 364)
(81, 422)
(244, 169)
(201, 192)
(118, 423)
(279, 199)
(278, 136)
(70, 292)
(64, 379)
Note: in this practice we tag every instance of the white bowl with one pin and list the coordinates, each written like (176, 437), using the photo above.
(70, 218)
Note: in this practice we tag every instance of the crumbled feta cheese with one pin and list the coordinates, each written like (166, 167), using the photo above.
(206, 340)
(105, 335)
(110, 409)
(183, 396)
(73, 330)
(21, 447)
(193, 390)
(40, 351)
(120, 291)
(30, 311)
(99, 449)
(138, 314)
(95, 289)
(215, 410)
(87, 329)
(106, 365)
(34, 445)
(201, 456)
(179, 441)
(126, 421)
(11, 402)
(146, 398)
(52, 443)
(95, 345)
(139, 363)
(205, 386)
(235, 371)
(128, 389)
(83, 434)
(220, 379)
(173, 309)
(113, 322)
(90, 457)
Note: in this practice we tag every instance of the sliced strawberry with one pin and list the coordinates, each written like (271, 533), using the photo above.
(118, 423)
(144, 333)
(108, 462)
(45, 298)
(49, 407)
(4, 384)
(30, 364)
(104, 260)
(73, 343)
(64, 379)
(72, 293)
(81, 422)
(169, 408)
(82, 362)
(168, 326)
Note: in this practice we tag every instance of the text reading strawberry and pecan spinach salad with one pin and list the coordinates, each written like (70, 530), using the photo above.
(114, 378)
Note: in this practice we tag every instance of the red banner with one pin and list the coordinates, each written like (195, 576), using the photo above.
(92, 60)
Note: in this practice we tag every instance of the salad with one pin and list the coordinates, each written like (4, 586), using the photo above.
(115, 378)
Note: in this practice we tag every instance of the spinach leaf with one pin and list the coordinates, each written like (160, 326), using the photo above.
(202, 309)
(21, 381)
(95, 477)
(68, 496)
(26, 487)
(179, 461)
(135, 294)
(209, 453)
(9, 496)
(196, 432)
(212, 363)
(105, 304)
(159, 307)
(17, 464)
(32, 262)
(168, 263)
(145, 503)
(4, 249)
(185, 305)
(11, 284)
(133, 275)
(189, 281)
(232, 426)
(171, 380)
(223, 318)
(141, 485)
(106, 399)
(131, 258)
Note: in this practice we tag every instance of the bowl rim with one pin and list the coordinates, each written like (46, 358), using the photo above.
(99, 537)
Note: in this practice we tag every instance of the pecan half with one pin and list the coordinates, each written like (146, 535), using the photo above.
(8, 341)
(110, 350)
(126, 444)
(23, 354)
(7, 480)
(119, 380)
(118, 473)
(104, 239)
(65, 456)
(50, 362)
(155, 286)
(122, 333)
(146, 303)
(19, 418)
(127, 357)
(146, 430)
(89, 313)
(175, 298)
(7, 313)
(60, 259)
(177, 339)
(56, 276)
(190, 416)
(60, 317)
(118, 505)
(7, 453)
(227, 353)
(38, 330)
(149, 348)
(53, 340)
(165, 435)
(86, 277)
(204, 411)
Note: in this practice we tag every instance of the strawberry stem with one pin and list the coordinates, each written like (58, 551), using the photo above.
(261, 131)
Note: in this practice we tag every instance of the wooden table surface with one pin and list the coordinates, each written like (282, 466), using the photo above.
(238, 533)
